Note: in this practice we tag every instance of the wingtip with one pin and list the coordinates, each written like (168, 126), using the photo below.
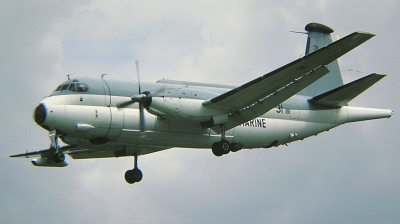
(366, 33)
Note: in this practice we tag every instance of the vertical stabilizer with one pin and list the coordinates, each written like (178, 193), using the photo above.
(319, 36)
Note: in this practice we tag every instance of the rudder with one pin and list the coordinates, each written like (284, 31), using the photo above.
(319, 36)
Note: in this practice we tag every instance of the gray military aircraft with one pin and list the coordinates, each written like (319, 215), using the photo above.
(99, 118)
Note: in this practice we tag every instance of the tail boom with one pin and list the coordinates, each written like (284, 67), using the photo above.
(353, 114)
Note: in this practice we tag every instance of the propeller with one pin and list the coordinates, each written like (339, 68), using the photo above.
(144, 99)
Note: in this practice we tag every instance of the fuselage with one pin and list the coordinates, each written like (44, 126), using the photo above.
(87, 114)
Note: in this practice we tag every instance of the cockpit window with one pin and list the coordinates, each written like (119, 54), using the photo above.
(82, 87)
(72, 87)
(75, 87)
(64, 87)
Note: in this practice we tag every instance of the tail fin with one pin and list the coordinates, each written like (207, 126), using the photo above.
(319, 36)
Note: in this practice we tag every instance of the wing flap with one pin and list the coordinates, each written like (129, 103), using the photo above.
(91, 154)
(251, 92)
(342, 95)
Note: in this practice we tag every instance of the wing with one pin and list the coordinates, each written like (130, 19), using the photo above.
(45, 152)
(80, 153)
(260, 95)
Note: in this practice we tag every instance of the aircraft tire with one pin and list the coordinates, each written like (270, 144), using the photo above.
(224, 146)
(138, 175)
(133, 176)
(236, 146)
(216, 149)
(130, 177)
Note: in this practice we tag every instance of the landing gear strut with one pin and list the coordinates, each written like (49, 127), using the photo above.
(58, 157)
(134, 175)
(224, 147)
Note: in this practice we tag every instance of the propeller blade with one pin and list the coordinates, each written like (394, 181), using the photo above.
(141, 98)
(142, 120)
(138, 75)
(124, 104)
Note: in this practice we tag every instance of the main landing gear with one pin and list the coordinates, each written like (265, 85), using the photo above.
(224, 147)
(134, 175)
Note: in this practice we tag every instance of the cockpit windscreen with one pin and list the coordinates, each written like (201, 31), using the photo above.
(75, 86)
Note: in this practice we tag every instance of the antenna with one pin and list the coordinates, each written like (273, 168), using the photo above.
(70, 74)
(298, 32)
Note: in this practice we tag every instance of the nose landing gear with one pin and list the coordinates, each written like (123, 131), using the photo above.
(57, 156)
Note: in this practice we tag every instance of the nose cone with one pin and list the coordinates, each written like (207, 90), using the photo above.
(40, 114)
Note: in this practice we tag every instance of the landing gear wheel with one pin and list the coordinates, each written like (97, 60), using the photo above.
(133, 176)
(220, 148)
(137, 174)
(215, 149)
(129, 177)
(224, 146)
(59, 157)
(236, 146)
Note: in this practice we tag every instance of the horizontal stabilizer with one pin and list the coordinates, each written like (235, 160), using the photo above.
(340, 96)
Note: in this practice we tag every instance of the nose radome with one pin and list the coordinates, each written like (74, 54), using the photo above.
(40, 114)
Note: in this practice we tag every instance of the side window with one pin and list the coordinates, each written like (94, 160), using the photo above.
(64, 87)
(72, 87)
(82, 87)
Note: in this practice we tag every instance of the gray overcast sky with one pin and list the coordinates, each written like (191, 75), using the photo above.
(348, 175)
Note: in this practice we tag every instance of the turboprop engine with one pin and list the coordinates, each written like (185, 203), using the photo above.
(173, 107)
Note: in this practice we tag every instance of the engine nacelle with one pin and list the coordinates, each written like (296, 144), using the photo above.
(48, 163)
(188, 109)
